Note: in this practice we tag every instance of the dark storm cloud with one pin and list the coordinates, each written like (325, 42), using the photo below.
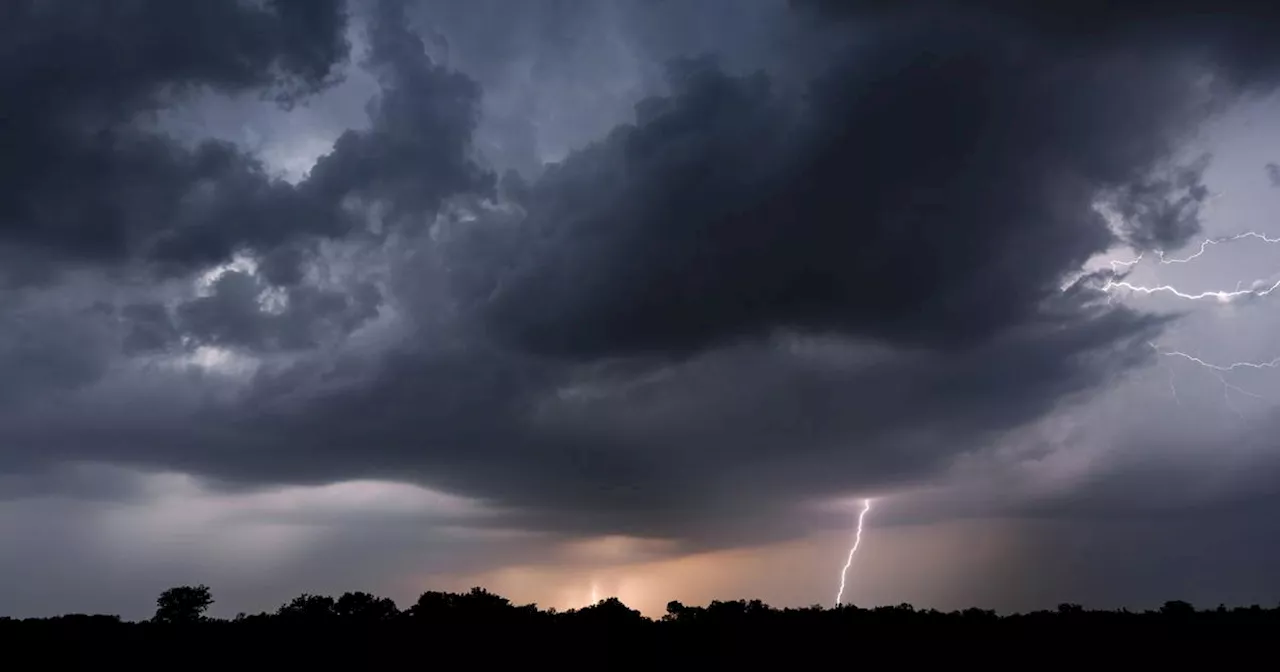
(1273, 174)
(548, 68)
(1091, 21)
(233, 314)
(149, 327)
(932, 190)
(80, 178)
(718, 450)
(92, 183)
(558, 75)
(741, 300)
(929, 196)
(42, 351)
(484, 37)
(418, 150)
(95, 484)
(88, 181)
(1162, 212)
(740, 434)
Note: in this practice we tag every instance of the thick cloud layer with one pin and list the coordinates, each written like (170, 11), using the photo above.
(726, 212)
(83, 179)
(90, 180)
(784, 275)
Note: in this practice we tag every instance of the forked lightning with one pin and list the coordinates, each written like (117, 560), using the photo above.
(1259, 289)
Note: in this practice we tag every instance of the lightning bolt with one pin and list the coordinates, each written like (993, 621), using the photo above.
(857, 541)
(1210, 242)
(1258, 289)
(1221, 295)
(1233, 366)
(1219, 371)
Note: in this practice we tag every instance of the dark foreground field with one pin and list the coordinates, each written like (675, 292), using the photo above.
(482, 630)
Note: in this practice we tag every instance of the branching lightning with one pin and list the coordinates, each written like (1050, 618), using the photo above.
(1219, 371)
(1221, 295)
(1209, 242)
(857, 541)
(1233, 366)
(1258, 289)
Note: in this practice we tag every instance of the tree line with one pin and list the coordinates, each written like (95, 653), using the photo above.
(323, 628)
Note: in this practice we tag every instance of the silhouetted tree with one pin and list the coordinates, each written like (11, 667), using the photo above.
(183, 604)
(432, 604)
(481, 600)
(1177, 608)
(308, 607)
(365, 607)
(367, 631)
(674, 611)
(611, 612)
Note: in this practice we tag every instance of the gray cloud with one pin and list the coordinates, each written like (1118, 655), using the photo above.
(417, 151)
(82, 178)
(724, 211)
(150, 327)
(728, 212)
(826, 258)
(714, 450)
(234, 315)
(43, 351)
(92, 182)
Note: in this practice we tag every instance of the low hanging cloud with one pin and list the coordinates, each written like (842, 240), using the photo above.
(830, 277)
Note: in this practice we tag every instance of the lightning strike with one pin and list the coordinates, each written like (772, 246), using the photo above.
(1243, 290)
(1222, 296)
(1219, 371)
(1233, 366)
(1210, 242)
(857, 541)
(1259, 288)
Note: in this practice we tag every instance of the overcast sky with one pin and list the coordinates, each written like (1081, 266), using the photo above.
(638, 298)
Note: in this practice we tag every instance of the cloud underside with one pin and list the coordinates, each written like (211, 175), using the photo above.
(763, 289)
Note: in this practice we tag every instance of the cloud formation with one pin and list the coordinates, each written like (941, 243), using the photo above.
(786, 274)
(85, 179)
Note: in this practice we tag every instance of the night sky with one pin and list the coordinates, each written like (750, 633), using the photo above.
(639, 298)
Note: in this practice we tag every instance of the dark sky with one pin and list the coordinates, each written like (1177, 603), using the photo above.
(638, 297)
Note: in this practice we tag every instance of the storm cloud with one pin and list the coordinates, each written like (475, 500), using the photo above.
(839, 249)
